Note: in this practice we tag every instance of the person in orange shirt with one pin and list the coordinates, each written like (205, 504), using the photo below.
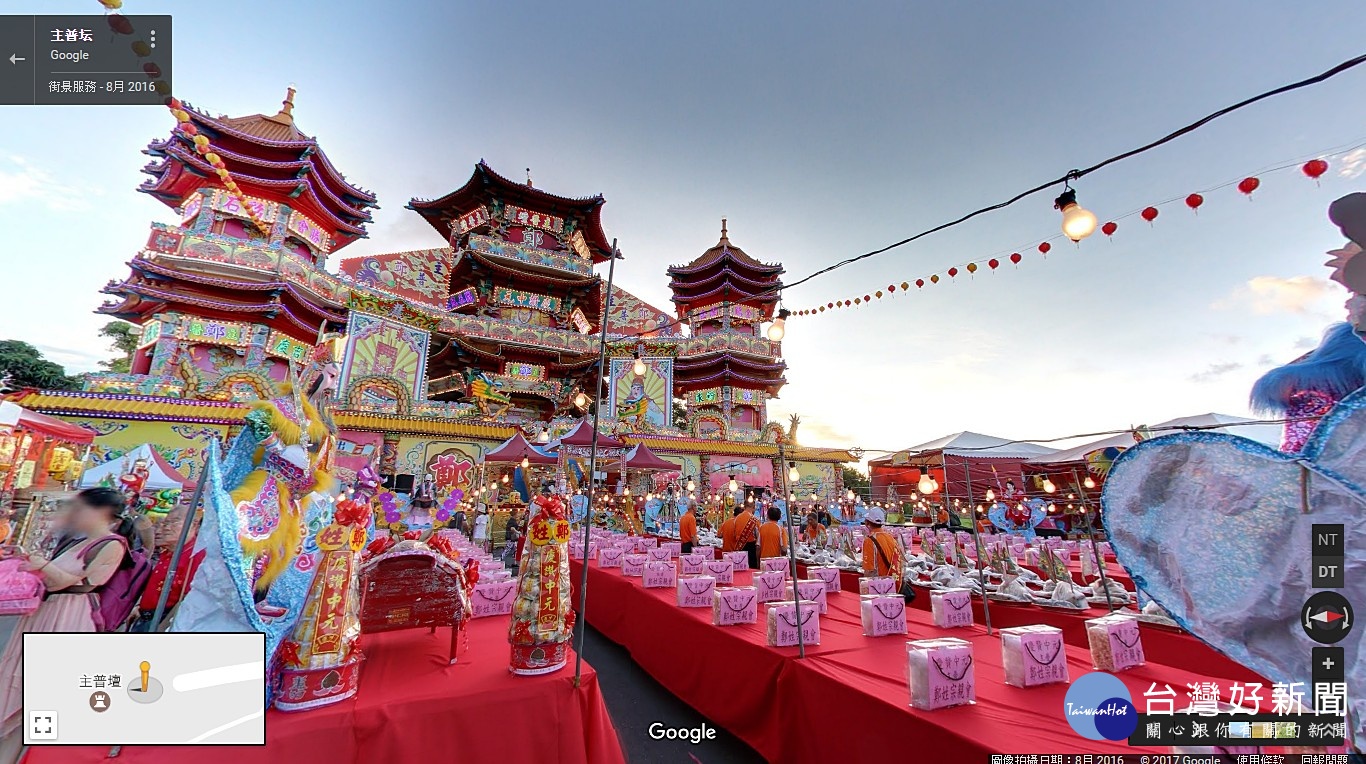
(728, 533)
(772, 538)
(881, 553)
(687, 528)
(747, 535)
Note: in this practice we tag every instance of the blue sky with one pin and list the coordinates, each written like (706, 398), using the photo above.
(820, 135)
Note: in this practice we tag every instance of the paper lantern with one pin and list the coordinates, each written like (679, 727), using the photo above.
(856, 301)
(822, 308)
(905, 286)
(141, 49)
(112, 5)
(1194, 201)
(830, 304)
(180, 115)
(173, 104)
(993, 263)
(161, 87)
(1016, 257)
(1109, 228)
(891, 287)
(934, 279)
(151, 70)
(1044, 247)
(878, 293)
(189, 129)
(1149, 214)
(1315, 168)
(210, 157)
(972, 267)
(120, 24)
(1248, 185)
(867, 298)
(953, 272)
(920, 283)
(846, 303)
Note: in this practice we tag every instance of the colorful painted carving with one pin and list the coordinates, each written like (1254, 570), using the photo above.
(487, 396)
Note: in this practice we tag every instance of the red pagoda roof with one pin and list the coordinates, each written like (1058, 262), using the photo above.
(269, 157)
(486, 183)
(724, 273)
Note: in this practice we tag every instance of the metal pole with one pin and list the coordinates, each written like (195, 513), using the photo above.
(977, 541)
(1091, 535)
(792, 556)
(184, 536)
(593, 466)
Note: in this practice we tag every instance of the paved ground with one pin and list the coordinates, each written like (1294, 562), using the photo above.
(636, 701)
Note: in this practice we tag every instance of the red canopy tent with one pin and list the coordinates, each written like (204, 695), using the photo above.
(965, 464)
(581, 436)
(642, 458)
(14, 415)
(517, 448)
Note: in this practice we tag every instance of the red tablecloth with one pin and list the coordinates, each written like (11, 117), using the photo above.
(1167, 647)
(823, 708)
(412, 707)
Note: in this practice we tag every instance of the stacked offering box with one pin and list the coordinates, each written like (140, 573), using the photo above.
(696, 591)
(810, 589)
(722, 570)
(732, 605)
(940, 673)
(691, 564)
(882, 615)
(769, 584)
(785, 619)
(1033, 656)
(827, 573)
(659, 575)
(738, 560)
(876, 585)
(1115, 642)
(951, 608)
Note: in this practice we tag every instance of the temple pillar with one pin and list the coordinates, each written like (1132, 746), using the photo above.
(388, 461)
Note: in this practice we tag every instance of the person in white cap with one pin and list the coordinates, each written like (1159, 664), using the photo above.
(881, 554)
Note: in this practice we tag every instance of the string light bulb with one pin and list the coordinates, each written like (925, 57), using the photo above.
(792, 474)
(691, 485)
(1077, 221)
(733, 486)
(581, 400)
(1088, 482)
(525, 462)
(849, 494)
(991, 495)
(778, 329)
(506, 478)
(926, 484)
(1048, 486)
(638, 368)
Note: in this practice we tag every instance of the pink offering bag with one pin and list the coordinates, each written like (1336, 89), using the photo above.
(659, 555)
(493, 598)
(940, 673)
(1033, 656)
(610, 557)
(951, 608)
(691, 564)
(696, 591)
(827, 573)
(810, 589)
(775, 563)
(721, 570)
(769, 584)
(785, 618)
(876, 585)
(633, 565)
(659, 574)
(734, 605)
(738, 560)
(882, 615)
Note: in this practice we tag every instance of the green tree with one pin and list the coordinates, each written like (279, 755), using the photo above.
(26, 367)
(680, 413)
(855, 481)
(124, 340)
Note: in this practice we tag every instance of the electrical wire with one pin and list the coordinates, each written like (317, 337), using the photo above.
(1070, 176)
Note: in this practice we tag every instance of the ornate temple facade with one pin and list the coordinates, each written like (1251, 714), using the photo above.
(446, 351)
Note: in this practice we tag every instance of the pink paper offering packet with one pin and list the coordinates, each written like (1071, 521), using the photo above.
(721, 570)
(940, 673)
(785, 619)
(696, 591)
(734, 605)
(1033, 656)
(1115, 642)
(659, 575)
(882, 615)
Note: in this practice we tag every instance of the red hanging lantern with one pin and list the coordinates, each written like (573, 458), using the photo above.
(1194, 201)
(846, 303)
(920, 283)
(1044, 247)
(1109, 228)
(891, 287)
(189, 129)
(1248, 185)
(953, 272)
(866, 298)
(1149, 214)
(151, 70)
(1016, 257)
(830, 305)
(993, 263)
(173, 103)
(1315, 168)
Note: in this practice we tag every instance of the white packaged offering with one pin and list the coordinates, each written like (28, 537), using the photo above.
(952, 608)
(939, 673)
(1115, 642)
(1033, 656)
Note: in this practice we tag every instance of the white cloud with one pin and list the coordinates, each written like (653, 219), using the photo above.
(21, 181)
(1266, 295)
(1215, 371)
(1353, 164)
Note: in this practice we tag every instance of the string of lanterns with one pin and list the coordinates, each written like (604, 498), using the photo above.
(1077, 224)
(120, 24)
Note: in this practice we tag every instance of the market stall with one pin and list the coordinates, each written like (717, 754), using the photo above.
(40, 458)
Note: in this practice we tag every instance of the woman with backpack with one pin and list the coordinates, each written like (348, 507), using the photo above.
(90, 555)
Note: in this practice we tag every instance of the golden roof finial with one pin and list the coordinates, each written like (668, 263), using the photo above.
(724, 238)
(287, 106)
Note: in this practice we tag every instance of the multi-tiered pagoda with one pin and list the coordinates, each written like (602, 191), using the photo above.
(730, 369)
(224, 307)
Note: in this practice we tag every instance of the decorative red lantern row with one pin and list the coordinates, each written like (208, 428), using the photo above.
(1313, 169)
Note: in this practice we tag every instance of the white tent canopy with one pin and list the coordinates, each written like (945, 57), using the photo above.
(161, 474)
(1266, 434)
(975, 444)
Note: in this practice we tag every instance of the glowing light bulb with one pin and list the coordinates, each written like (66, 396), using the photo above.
(926, 484)
(1052, 508)
(506, 478)
(1048, 486)
(581, 400)
(1077, 221)
(691, 485)
(733, 486)
(849, 494)
(627, 491)
(638, 368)
(525, 462)
(991, 495)
(1088, 482)
(777, 330)
(792, 474)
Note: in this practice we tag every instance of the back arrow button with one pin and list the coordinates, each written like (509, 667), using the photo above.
(15, 59)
